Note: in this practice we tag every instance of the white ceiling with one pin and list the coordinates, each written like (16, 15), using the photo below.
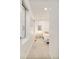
(38, 6)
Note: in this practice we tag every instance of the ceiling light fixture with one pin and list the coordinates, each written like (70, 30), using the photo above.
(45, 9)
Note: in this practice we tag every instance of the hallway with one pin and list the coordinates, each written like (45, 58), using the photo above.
(39, 50)
(39, 18)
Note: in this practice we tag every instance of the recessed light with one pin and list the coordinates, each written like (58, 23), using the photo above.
(45, 9)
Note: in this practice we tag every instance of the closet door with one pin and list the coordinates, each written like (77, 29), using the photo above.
(22, 22)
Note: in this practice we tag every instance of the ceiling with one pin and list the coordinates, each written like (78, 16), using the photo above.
(37, 8)
(38, 11)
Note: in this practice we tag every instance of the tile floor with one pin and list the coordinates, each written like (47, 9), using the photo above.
(39, 50)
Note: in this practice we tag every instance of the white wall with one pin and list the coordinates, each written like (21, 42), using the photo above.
(22, 22)
(26, 43)
(29, 25)
(44, 25)
(54, 38)
(25, 19)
